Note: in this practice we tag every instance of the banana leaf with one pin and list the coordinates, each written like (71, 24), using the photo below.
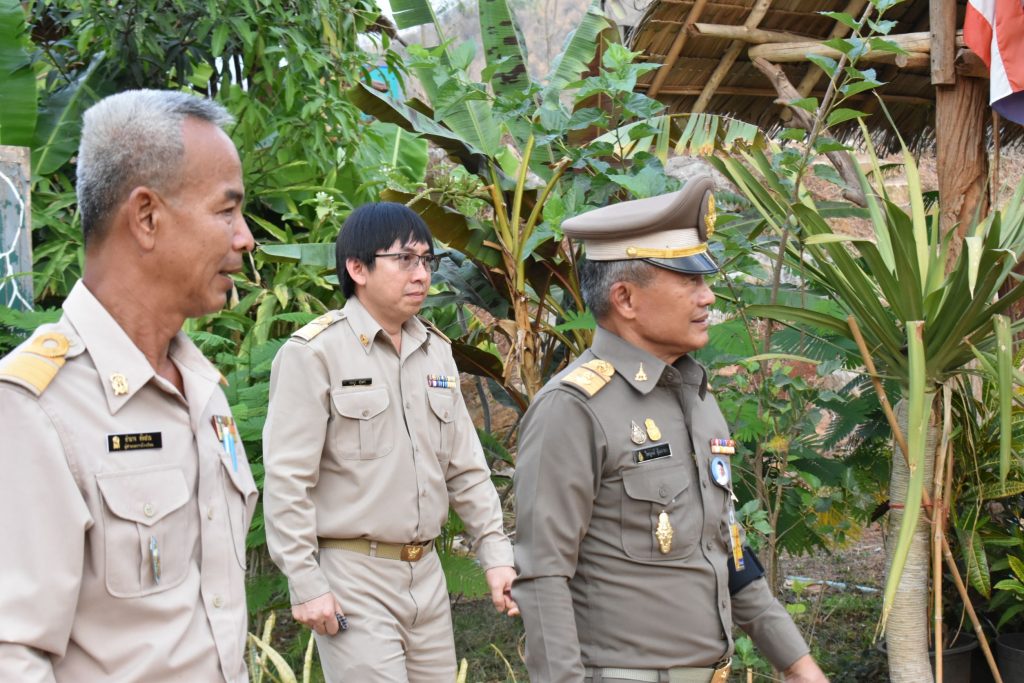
(17, 80)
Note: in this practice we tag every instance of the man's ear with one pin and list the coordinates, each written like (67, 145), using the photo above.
(144, 211)
(357, 270)
(620, 296)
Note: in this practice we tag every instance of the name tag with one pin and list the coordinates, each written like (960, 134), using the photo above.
(359, 382)
(661, 450)
(134, 442)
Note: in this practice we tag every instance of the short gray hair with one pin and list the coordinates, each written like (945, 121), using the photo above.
(131, 139)
(597, 278)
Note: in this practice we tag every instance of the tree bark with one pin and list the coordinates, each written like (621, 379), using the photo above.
(906, 636)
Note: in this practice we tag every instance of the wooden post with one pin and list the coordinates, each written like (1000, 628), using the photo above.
(942, 26)
(15, 228)
(961, 158)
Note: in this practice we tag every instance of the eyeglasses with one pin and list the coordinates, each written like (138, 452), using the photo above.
(408, 260)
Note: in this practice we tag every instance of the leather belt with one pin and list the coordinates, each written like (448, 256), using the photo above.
(678, 674)
(408, 552)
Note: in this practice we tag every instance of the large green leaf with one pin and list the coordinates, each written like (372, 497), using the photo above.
(412, 13)
(316, 255)
(503, 48)
(17, 81)
(60, 119)
(580, 48)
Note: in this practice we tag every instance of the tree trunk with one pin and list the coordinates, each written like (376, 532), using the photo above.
(906, 636)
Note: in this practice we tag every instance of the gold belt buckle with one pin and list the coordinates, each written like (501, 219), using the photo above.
(412, 553)
(721, 674)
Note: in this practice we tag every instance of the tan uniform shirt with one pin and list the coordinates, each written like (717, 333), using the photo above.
(357, 444)
(594, 587)
(83, 512)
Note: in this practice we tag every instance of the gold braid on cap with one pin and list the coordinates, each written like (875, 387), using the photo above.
(640, 252)
(709, 217)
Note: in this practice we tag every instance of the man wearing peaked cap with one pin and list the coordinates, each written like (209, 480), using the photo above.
(631, 565)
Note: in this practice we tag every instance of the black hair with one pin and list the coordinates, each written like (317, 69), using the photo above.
(373, 227)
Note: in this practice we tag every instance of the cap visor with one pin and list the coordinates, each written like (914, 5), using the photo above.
(698, 264)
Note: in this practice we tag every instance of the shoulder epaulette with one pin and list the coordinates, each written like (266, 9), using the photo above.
(34, 366)
(311, 329)
(591, 377)
(433, 328)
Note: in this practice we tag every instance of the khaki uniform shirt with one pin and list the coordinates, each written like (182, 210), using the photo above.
(83, 511)
(358, 444)
(594, 587)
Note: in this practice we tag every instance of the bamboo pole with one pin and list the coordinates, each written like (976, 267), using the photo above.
(745, 34)
(677, 47)
(767, 92)
(939, 526)
(926, 501)
(757, 13)
(919, 42)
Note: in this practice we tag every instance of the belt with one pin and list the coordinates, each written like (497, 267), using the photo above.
(408, 552)
(678, 674)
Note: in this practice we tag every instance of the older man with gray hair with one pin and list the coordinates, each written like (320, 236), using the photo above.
(126, 493)
(631, 561)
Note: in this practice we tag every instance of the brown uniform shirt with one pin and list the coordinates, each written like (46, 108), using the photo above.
(594, 587)
(358, 444)
(80, 512)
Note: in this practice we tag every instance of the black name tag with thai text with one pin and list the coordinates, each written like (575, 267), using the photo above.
(134, 442)
(661, 450)
(360, 382)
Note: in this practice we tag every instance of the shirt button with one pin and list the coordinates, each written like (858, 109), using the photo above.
(704, 483)
(661, 492)
(209, 513)
(446, 414)
(218, 601)
(148, 510)
(708, 545)
(366, 413)
(723, 604)
(408, 406)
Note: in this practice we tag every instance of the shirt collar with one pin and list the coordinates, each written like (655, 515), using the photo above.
(121, 365)
(643, 371)
(368, 331)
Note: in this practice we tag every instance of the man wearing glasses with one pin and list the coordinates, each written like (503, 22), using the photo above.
(366, 443)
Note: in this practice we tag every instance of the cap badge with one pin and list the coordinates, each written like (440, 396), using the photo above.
(636, 434)
(710, 216)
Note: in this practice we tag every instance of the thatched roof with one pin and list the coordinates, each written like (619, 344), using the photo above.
(746, 93)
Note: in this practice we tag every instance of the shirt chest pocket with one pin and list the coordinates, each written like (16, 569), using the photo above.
(361, 430)
(149, 531)
(442, 427)
(648, 490)
(240, 496)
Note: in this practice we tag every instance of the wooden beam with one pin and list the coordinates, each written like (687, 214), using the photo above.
(969, 64)
(942, 26)
(757, 13)
(677, 47)
(813, 75)
(842, 161)
(747, 35)
(693, 90)
(15, 228)
(797, 52)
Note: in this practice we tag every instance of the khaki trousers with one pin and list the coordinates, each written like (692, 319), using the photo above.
(400, 624)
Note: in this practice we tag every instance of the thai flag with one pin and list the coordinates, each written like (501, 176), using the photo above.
(994, 30)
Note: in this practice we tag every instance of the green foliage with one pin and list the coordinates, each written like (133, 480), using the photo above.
(17, 82)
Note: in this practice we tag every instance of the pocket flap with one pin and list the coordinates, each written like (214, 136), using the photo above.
(361, 405)
(443, 405)
(659, 485)
(240, 478)
(144, 496)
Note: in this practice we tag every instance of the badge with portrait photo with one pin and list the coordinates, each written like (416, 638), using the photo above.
(720, 473)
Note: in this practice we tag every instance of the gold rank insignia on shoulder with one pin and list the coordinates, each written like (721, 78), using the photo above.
(591, 377)
(311, 329)
(35, 366)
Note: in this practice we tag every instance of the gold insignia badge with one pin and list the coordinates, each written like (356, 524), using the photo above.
(664, 533)
(636, 434)
(640, 375)
(652, 430)
(363, 340)
(710, 216)
(119, 383)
